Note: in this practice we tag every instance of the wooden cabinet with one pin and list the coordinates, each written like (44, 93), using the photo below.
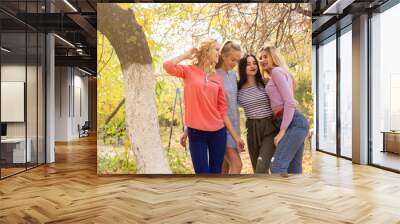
(391, 142)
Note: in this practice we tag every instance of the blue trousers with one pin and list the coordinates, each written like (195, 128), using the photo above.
(288, 156)
(207, 149)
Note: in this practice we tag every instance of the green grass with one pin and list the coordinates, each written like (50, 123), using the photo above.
(178, 161)
(118, 164)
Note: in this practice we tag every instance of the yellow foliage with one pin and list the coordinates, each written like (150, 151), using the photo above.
(164, 40)
(125, 6)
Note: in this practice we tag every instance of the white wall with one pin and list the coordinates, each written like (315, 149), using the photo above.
(14, 73)
(33, 126)
(61, 103)
(71, 87)
(80, 109)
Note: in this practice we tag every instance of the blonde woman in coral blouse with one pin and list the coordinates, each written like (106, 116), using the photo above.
(205, 106)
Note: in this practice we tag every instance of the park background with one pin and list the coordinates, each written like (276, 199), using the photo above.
(136, 98)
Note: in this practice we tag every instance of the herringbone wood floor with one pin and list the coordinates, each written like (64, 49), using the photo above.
(69, 191)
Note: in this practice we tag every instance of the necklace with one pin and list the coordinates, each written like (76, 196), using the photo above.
(206, 80)
(207, 72)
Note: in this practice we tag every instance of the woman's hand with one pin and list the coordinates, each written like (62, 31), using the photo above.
(232, 131)
(279, 136)
(191, 53)
(240, 144)
(185, 56)
(183, 139)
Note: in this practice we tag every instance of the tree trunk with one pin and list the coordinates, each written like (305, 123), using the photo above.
(129, 42)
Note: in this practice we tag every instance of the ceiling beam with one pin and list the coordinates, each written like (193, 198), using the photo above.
(82, 61)
(83, 23)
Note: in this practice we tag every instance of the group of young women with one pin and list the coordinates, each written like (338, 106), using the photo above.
(212, 95)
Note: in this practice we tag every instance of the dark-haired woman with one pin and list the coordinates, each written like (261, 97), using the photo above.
(257, 107)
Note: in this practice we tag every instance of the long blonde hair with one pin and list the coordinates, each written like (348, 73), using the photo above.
(277, 57)
(226, 48)
(202, 54)
(278, 60)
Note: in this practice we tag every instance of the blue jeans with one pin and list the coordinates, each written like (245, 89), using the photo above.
(207, 149)
(288, 156)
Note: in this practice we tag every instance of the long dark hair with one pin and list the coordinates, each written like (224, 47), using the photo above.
(243, 74)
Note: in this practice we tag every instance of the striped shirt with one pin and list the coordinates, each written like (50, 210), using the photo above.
(255, 102)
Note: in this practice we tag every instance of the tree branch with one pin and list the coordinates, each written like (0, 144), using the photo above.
(114, 112)
(255, 29)
(302, 11)
(108, 60)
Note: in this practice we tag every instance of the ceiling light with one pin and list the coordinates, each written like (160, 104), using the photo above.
(84, 71)
(337, 7)
(79, 51)
(5, 49)
(70, 5)
(64, 40)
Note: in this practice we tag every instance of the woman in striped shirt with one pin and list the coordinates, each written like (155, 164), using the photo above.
(256, 104)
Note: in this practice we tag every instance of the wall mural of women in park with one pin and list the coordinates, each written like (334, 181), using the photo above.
(168, 78)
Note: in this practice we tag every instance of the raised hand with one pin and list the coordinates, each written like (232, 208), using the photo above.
(191, 53)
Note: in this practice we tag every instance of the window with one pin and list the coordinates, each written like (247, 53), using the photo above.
(22, 76)
(327, 96)
(346, 93)
(385, 86)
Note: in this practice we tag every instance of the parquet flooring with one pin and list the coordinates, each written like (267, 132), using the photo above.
(69, 191)
(10, 171)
